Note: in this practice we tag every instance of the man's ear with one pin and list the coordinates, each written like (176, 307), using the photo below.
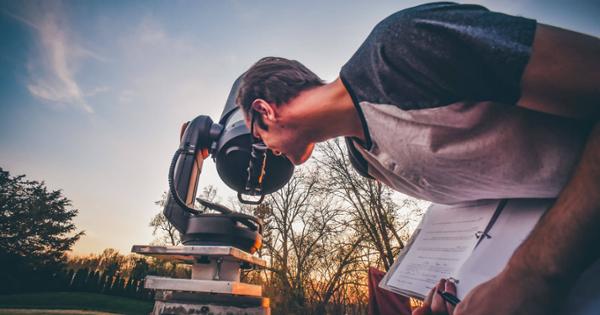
(267, 111)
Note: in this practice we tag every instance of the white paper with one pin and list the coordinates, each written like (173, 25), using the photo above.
(515, 223)
(511, 228)
(446, 239)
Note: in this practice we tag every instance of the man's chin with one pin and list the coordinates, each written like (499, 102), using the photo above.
(298, 161)
(301, 158)
(295, 160)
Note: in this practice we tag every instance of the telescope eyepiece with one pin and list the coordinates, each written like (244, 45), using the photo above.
(256, 168)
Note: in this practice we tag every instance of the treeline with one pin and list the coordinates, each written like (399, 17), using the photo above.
(36, 233)
(107, 273)
(113, 273)
(85, 280)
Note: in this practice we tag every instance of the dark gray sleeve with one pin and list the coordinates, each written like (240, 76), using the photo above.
(437, 54)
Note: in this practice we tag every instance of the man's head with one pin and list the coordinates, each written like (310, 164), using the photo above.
(268, 86)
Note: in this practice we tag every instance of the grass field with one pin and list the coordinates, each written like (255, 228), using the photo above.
(32, 311)
(48, 301)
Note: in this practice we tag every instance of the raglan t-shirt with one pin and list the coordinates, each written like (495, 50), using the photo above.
(435, 88)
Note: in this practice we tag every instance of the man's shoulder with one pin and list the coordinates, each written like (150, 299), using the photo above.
(440, 53)
(407, 19)
(394, 64)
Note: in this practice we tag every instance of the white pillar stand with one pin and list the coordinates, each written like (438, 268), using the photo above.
(214, 287)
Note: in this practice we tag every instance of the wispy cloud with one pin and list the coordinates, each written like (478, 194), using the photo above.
(21, 19)
(151, 32)
(52, 67)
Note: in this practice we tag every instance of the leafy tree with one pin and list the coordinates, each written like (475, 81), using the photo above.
(110, 261)
(36, 230)
(140, 268)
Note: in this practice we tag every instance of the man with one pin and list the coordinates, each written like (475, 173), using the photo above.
(450, 103)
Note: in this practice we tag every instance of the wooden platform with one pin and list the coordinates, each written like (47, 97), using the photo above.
(207, 286)
(189, 254)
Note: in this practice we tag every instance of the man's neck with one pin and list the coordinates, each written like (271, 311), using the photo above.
(325, 112)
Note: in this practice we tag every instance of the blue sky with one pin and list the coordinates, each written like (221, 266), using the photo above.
(92, 93)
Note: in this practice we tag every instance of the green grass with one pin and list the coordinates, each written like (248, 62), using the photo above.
(76, 300)
(32, 311)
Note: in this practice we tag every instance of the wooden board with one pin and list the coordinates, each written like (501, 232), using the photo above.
(208, 286)
(189, 254)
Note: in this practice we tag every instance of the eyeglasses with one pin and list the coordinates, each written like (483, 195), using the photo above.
(252, 121)
(256, 164)
(256, 141)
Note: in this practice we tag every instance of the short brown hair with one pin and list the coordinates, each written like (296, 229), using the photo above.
(275, 80)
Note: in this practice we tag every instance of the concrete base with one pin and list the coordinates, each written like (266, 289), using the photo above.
(183, 303)
(215, 287)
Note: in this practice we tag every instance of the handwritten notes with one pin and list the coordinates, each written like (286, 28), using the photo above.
(445, 239)
(510, 230)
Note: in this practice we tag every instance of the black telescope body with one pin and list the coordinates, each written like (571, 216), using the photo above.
(243, 163)
(233, 154)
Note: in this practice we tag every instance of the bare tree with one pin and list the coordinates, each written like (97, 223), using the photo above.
(299, 223)
(372, 211)
(163, 231)
(314, 256)
(336, 270)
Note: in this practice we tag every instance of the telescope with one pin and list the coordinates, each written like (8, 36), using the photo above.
(217, 244)
(243, 163)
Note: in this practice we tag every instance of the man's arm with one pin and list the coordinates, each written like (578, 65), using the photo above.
(543, 269)
(561, 78)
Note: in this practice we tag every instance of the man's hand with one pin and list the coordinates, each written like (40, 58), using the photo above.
(434, 304)
(508, 293)
(513, 293)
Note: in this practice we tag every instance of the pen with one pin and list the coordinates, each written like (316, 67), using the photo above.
(449, 297)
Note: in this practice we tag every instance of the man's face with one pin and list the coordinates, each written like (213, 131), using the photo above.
(279, 136)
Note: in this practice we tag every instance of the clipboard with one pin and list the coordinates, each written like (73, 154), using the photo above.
(495, 210)
(510, 224)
